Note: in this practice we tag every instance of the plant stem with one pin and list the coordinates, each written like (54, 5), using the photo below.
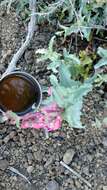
(52, 8)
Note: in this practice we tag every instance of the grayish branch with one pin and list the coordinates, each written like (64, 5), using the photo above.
(76, 174)
(31, 29)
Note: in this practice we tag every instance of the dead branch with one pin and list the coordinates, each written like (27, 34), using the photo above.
(31, 29)
(76, 174)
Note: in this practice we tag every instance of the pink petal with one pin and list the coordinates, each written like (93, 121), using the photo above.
(24, 125)
(37, 126)
(50, 91)
(48, 117)
(56, 124)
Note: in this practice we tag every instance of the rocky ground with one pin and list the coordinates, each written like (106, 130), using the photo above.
(28, 151)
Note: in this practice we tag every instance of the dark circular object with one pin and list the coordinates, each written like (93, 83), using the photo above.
(19, 91)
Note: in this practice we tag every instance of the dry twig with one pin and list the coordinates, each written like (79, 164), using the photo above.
(18, 173)
(31, 29)
(76, 174)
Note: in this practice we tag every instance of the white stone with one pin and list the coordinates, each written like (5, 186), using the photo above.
(68, 156)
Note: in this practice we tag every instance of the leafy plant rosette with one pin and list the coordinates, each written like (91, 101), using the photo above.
(66, 90)
(65, 95)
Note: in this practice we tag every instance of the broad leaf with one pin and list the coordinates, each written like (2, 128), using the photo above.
(102, 52)
(51, 43)
(72, 115)
(101, 63)
(53, 80)
(54, 65)
(65, 76)
(70, 58)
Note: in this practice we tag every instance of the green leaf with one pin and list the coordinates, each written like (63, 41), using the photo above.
(58, 97)
(101, 63)
(53, 80)
(47, 101)
(16, 118)
(73, 112)
(72, 115)
(82, 91)
(69, 30)
(86, 32)
(104, 77)
(65, 76)
(70, 58)
(51, 43)
(54, 65)
(100, 79)
(70, 97)
(50, 54)
(59, 33)
(102, 52)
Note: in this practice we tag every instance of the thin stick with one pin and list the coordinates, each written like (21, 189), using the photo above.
(18, 173)
(77, 17)
(76, 174)
(100, 39)
(69, 49)
(100, 27)
(76, 43)
(31, 29)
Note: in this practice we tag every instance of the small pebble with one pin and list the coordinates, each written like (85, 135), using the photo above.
(28, 57)
(105, 142)
(49, 161)
(68, 156)
(101, 92)
(38, 156)
(9, 137)
(30, 169)
(77, 184)
(52, 185)
(3, 164)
